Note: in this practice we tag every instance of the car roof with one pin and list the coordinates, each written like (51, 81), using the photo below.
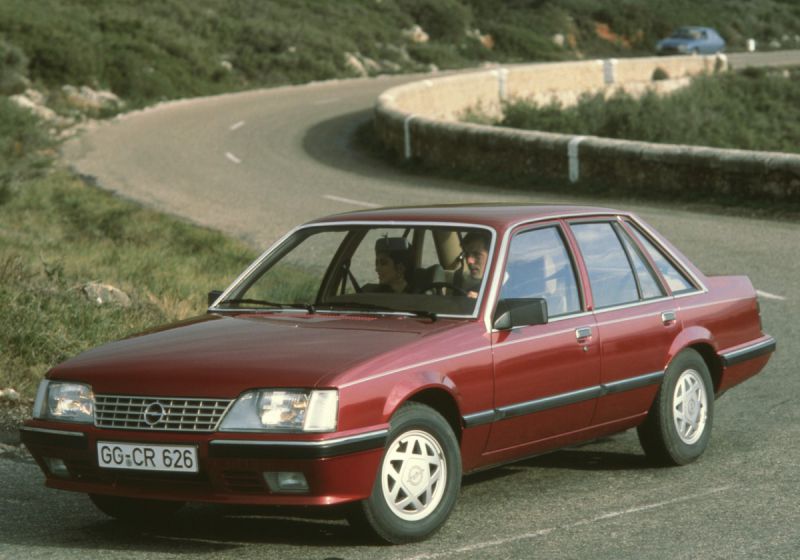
(499, 216)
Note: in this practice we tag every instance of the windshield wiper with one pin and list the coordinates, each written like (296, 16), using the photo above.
(424, 314)
(273, 304)
(361, 306)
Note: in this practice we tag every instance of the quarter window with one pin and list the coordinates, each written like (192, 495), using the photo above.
(539, 267)
(676, 280)
(610, 273)
(649, 286)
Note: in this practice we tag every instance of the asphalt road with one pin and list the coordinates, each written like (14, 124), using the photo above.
(256, 164)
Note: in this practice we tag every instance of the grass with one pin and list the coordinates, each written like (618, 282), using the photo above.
(57, 234)
(750, 110)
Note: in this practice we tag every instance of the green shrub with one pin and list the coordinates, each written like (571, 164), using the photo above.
(727, 111)
(13, 69)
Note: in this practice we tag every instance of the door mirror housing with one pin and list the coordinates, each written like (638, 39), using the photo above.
(520, 312)
(213, 295)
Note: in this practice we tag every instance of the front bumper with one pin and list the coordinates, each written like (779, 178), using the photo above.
(231, 466)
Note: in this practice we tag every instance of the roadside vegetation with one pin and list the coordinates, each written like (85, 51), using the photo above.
(750, 110)
(146, 51)
(58, 234)
(64, 62)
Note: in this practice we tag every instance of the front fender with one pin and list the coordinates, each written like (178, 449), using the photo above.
(416, 383)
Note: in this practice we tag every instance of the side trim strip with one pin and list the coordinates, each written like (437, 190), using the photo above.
(632, 383)
(564, 399)
(270, 449)
(750, 352)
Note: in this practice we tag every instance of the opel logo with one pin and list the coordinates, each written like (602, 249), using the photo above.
(154, 413)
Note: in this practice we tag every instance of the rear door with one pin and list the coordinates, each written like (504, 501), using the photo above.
(636, 318)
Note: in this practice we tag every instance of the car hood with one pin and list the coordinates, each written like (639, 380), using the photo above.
(221, 356)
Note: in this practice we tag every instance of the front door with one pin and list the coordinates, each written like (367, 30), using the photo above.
(546, 376)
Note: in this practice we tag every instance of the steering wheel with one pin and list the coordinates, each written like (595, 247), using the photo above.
(439, 285)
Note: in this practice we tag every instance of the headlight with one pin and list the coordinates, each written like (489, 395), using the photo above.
(61, 400)
(283, 410)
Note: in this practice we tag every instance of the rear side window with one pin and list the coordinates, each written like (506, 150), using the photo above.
(676, 280)
(610, 273)
(540, 267)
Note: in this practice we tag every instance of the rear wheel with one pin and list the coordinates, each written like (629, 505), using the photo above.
(418, 481)
(135, 510)
(678, 426)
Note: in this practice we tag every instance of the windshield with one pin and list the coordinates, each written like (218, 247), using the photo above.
(427, 270)
(687, 33)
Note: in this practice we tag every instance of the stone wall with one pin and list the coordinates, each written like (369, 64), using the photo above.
(420, 120)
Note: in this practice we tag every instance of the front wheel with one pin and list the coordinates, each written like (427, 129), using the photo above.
(678, 426)
(418, 481)
(135, 510)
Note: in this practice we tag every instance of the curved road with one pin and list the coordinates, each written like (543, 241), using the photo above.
(257, 163)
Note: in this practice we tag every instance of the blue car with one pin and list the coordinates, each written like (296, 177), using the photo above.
(691, 40)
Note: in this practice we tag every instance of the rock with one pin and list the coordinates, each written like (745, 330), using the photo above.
(486, 40)
(104, 294)
(355, 64)
(416, 34)
(9, 394)
(371, 65)
(559, 39)
(86, 98)
(34, 102)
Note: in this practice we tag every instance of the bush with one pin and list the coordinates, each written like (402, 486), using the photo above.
(24, 144)
(13, 69)
(736, 110)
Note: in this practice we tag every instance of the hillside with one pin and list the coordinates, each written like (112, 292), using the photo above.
(149, 50)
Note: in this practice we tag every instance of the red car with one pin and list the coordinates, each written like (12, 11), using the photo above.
(372, 358)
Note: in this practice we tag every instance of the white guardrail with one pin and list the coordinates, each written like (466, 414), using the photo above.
(420, 120)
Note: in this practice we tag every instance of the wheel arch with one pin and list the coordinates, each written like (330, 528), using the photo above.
(442, 402)
(711, 358)
(432, 389)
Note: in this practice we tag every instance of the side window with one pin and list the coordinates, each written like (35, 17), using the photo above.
(676, 280)
(649, 285)
(539, 267)
(609, 270)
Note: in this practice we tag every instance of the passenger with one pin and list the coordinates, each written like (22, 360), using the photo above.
(475, 248)
(393, 266)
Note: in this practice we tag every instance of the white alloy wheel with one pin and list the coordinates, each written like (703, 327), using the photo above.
(689, 406)
(413, 475)
(678, 425)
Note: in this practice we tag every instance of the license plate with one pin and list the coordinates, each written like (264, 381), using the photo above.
(143, 457)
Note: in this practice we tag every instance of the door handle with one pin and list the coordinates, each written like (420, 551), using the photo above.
(668, 317)
(583, 333)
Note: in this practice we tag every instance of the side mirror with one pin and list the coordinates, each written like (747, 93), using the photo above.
(520, 312)
(213, 295)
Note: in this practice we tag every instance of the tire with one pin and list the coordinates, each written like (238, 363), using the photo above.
(413, 495)
(678, 427)
(135, 510)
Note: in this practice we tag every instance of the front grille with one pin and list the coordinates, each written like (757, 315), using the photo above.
(165, 414)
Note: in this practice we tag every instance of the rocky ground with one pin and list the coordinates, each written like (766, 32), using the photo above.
(14, 410)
